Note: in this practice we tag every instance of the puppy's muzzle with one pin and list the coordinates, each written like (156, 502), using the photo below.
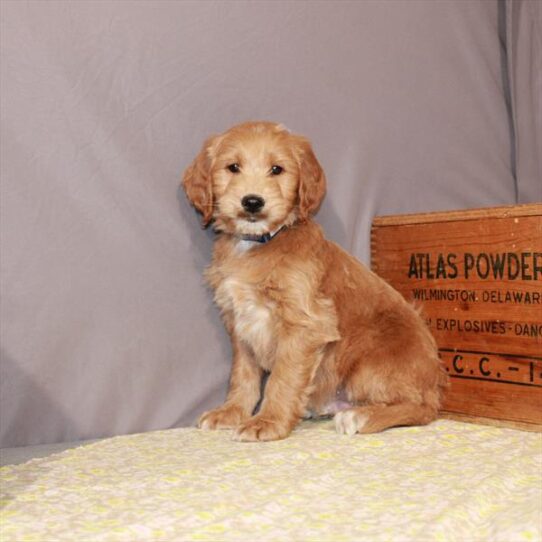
(252, 203)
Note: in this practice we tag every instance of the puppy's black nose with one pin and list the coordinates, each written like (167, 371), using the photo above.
(252, 203)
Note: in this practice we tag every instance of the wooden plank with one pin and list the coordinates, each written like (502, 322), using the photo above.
(477, 276)
(528, 209)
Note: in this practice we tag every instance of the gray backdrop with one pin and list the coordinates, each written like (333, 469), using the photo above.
(106, 325)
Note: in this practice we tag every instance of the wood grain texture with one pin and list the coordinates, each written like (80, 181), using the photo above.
(529, 209)
(477, 276)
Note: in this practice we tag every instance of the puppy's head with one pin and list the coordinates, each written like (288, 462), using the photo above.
(254, 178)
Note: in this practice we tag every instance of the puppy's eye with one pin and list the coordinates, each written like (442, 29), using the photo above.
(234, 168)
(276, 170)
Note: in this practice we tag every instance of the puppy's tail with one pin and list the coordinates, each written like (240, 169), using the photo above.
(376, 418)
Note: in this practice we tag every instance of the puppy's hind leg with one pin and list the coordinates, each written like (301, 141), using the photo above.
(376, 418)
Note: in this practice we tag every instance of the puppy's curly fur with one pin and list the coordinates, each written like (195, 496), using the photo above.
(335, 338)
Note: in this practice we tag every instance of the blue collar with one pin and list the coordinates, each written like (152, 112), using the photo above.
(265, 238)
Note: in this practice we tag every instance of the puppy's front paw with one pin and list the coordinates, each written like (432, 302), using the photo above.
(260, 429)
(349, 422)
(224, 417)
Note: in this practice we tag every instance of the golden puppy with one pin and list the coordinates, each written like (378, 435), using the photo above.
(335, 338)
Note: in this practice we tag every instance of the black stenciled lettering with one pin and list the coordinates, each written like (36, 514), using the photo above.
(455, 361)
(485, 372)
(452, 265)
(528, 298)
(525, 275)
(418, 293)
(443, 324)
(421, 259)
(528, 330)
(497, 264)
(482, 269)
(468, 264)
(441, 267)
(413, 267)
(512, 272)
(428, 271)
(537, 265)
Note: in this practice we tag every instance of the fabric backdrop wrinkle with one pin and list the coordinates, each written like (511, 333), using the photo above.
(524, 55)
(107, 326)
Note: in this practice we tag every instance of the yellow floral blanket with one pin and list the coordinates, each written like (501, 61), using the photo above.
(445, 482)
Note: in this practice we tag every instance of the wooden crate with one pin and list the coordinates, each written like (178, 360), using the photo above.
(477, 275)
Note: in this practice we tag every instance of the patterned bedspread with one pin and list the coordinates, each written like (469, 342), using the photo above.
(445, 482)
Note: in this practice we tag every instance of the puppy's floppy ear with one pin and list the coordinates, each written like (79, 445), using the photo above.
(197, 182)
(312, 180)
